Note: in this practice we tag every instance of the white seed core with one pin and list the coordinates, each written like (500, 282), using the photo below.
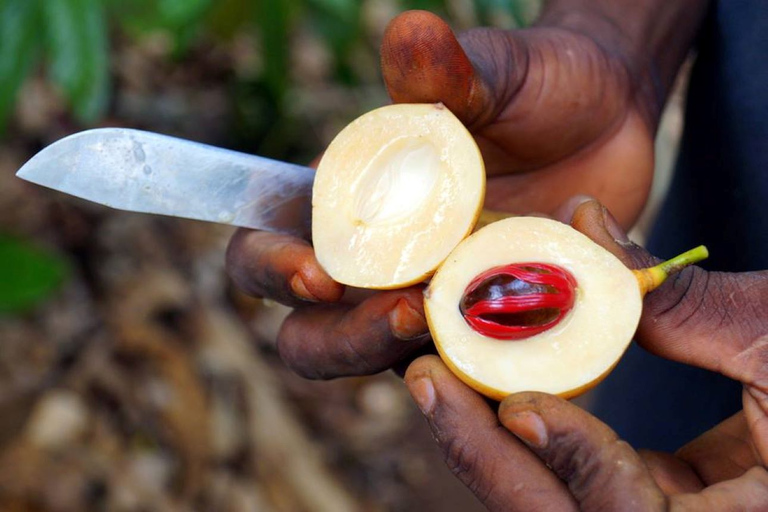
(397, 182)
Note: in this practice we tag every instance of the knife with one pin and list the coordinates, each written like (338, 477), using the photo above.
(147, 172)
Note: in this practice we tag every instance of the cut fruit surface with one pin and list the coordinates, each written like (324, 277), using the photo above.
(566, 359)
(394, 193)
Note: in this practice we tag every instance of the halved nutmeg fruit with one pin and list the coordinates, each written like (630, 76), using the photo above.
(394, 193)
(531, 304)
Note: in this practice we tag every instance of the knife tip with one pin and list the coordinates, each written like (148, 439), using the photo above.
(26, 171)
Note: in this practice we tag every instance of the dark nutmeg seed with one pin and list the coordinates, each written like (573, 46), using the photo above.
(519, 300)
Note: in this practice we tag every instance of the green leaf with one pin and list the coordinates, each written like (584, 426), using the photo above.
(136, 16)
(179, 13)
(227, 17)
(344, 10)
(28, 275)
(274, 19)
(524, 11)
(340, 37)
(79, 52)
(436, 6)
(19, 48)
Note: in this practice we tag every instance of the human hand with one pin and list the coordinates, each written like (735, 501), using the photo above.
(545, 100)
(555, 112)
(551, 455)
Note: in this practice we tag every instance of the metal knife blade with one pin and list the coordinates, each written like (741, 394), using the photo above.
(147, 172)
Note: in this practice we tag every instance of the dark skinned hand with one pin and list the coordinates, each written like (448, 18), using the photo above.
(554, 115)
(539, 452)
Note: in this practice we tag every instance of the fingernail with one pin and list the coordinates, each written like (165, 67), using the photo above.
(613, 228)
(423, 393)
(564, 213)
(529, 427)
(300, 290)
(407, 323)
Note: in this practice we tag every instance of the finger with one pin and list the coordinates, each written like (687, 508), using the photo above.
(713, 320)
(749, 492)
(564, 213)
(723, 453)
(672, 475)
(594, 220)
(495, 466)
(486, 75)
(601, 471)
(326, 341)
(756, 417)
(279, 267)
(423, 62)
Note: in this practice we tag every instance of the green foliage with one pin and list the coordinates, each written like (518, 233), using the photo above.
(78, 53)
(70, 37)
(274, 22)
(19, 45)
(522, 11)
(28, 275)
(72, 34)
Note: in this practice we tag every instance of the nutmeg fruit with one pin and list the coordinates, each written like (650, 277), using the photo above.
(557, 310)
(394, 193)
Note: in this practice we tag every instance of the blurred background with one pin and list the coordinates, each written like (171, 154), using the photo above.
(133, 377)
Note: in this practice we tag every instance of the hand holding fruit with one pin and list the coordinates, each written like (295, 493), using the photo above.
(590, 133)
(712, 320)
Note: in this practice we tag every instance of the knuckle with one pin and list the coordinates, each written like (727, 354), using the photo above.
(299, 356)
(571, 457)
(470, 467)
(605, 475)
(459, 460)
(352, 357)
(679, 301)
(297, 361)
(322, 354)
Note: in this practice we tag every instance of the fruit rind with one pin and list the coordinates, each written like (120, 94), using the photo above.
(568, 358)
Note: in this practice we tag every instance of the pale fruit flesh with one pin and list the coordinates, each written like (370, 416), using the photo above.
(564, 360)
(394, 193)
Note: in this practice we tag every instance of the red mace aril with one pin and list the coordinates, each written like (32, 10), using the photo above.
(516, 301)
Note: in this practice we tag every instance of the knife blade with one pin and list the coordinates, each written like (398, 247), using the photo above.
(148, 172)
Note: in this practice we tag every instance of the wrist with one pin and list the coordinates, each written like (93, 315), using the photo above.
(651, 38)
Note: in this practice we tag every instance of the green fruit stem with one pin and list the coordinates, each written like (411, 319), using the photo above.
(651, 278)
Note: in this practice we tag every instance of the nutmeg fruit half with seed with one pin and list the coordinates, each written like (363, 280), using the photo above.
(531, 304)
(394, 193)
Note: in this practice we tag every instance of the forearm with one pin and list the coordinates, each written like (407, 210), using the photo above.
(652, 36)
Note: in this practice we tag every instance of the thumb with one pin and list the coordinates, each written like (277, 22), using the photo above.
(423, 62)
(714, 320)
(495, 466)
(601, 471)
